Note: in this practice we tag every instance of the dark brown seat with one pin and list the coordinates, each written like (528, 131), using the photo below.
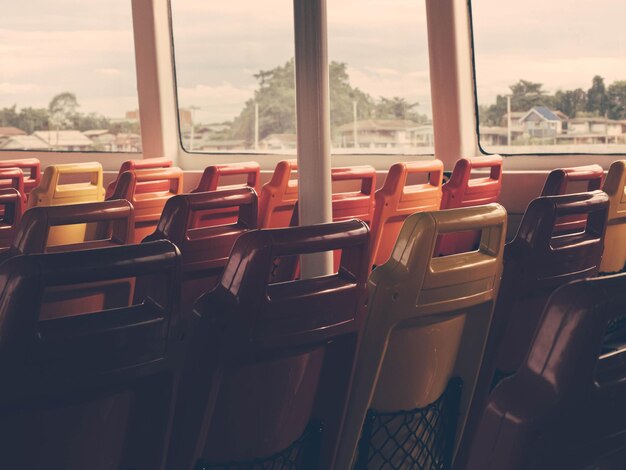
(93, 390)
(270, 364)
(11, 205)
(204, 249)
(566, 406)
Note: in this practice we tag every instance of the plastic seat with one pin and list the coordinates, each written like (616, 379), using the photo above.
(558, 182)
(63, 185)
(142, 189)
(463, 191)
(398, 199)
(354, 204)
(536, 262)
(566, 406)
(279, 196)
(213, 179)
(272, 362)
(11, 204)
(14, 178)
(614, 257)
(204, 250)
(143, 164)
(423, 343)
(93, 390)
(31, 168)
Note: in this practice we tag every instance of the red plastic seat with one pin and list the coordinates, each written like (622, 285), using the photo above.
(214, 178)
(31, 168)
(144, 164)
(94, 390)
(566, 406)
(557, 183)
(398, 199)
(279, 196)
(14, 178)
(463, 191)
(204, 250)
(11, 204)
(536, 262)
(272, 362)
(142, 188)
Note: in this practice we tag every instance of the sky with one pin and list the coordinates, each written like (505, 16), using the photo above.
(48, 47)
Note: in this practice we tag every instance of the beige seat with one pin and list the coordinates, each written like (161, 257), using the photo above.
(614, 257)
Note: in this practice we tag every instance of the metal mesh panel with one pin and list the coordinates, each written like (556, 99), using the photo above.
(420, 439)
(301, 455)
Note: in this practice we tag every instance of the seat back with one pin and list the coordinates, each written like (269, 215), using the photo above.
(13, 178)
(148, 199)
(614, 257)
(11, 204)
(65, 184)
(398, 198)
(428, 319)
(94, 389)
(536, 262)
(144, 164)
(270, 360)
(279, 196)
(31, 168)
(557, 183)
(204, 250)
(354, 204)
(214, 177)
(566, 406)
(463, 191)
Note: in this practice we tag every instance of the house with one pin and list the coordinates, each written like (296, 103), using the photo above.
(65, 140)
(102, 139)
(542, 123)
(221, 145)
(23, 142)
(8, 132)
(127, 143)
(384, 133)
(495, 135)
(279, 142)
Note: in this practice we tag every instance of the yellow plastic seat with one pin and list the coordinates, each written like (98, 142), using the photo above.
(427, 323)
(72, 183)
(614, 257)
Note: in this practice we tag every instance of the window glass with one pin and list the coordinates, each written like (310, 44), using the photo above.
(235, 75)
(379, 77)
(550, 76)
(67, 80)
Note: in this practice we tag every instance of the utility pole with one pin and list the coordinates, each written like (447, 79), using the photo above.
(508, 120)
(354, 126)
(256, 126)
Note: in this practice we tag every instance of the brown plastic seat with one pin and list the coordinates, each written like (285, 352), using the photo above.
(204, 250)
(463, 191)
(93, 390)
(214, 177)
(272, 362)
(279, 196)
(536, 262)
(31, 168)
(110, 223)
(566, 406)
(558, 182)
(11, 204)
(398, 198)
(144, 164)
(142, 189)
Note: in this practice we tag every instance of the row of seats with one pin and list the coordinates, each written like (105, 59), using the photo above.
(271, 367)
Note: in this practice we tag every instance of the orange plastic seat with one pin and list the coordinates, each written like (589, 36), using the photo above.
(398, 199)
(354, 204)
(86, 388)
(213, 179)
(463, 191)
(558, 183)
(138, 187)
(144, 164)
(279, 196)
(11, 208)
(204, 250)
(31, 167)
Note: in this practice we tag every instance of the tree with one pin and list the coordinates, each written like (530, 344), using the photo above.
(597, 100)
(62, 109)
(524, 96)
(616, 100)
(571, 102)
(395, 108)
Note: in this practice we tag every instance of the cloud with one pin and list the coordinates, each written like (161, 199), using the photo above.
(217, 103)
(110, 71)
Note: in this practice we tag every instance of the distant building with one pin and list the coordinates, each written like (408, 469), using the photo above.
(542, 123)
(221, 145)
(23, 142)
(102, 139)
(127, 143)
(8, 132)
(65, 140)
(384, 133)
(495, 135)
(279, 142)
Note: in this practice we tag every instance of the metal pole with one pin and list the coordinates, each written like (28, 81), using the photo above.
(313, 125)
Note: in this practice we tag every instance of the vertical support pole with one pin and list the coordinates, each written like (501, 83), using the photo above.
(313, 124)
(256, 125)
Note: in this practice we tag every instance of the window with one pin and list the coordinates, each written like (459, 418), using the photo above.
(67, 80)
(235, 75)
(379, 77)
(550, 76)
